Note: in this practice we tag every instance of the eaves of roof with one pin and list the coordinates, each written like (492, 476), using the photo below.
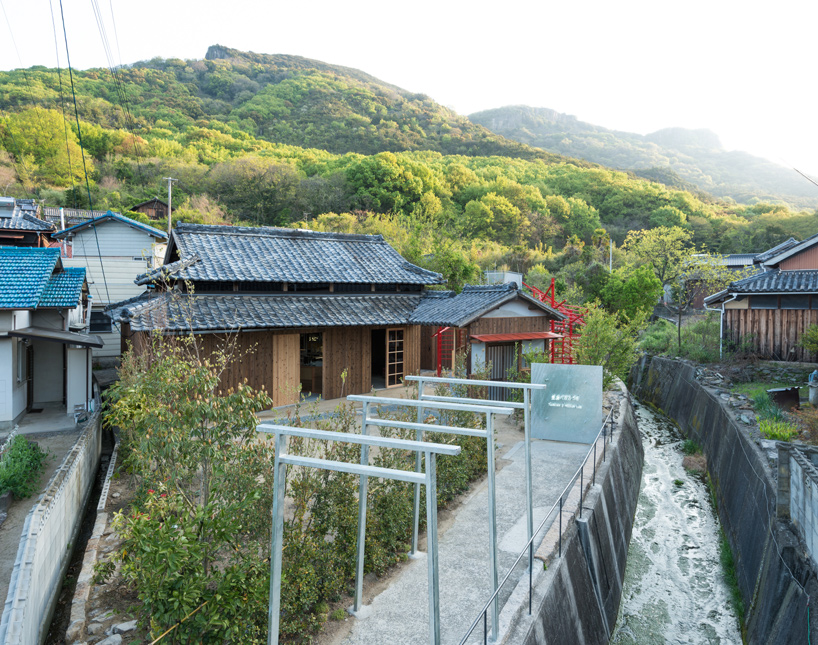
(110, 216)
(792, 250)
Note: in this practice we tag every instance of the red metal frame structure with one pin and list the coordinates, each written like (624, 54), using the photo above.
(562, 349)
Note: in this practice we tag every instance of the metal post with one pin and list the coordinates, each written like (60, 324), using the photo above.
(279, 481)
(582, 483)
(603, 450)
(170, 185)
(418, 468)
(493, 573)
(529, 488)
(560, 554)
(431, 548)
(362, 495)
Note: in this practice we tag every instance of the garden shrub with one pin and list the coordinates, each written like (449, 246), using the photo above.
(21, 465)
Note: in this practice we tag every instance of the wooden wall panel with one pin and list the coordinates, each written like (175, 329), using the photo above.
(771, 333)
(509, 325)
(412, 350)
(428, 347)
(805, 260)
(347, 348)
(283, 360)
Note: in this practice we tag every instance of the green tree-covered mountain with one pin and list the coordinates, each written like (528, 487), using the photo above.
(274, 98)
(681, 158)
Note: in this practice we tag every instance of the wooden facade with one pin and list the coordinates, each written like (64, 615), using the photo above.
(270, 359)
(771, 333)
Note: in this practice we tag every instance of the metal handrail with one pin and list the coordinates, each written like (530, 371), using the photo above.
(528, 548)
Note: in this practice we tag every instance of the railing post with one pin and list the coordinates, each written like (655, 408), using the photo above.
(582, 483)
(529, 488)
(431, 547)
(279, 487)
(530, 575)
(362, 495)
(416, 501)
(603, 451)
(493, 573)
(560, 539)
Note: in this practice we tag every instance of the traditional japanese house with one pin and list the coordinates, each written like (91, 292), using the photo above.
(770, 310)
(328, 312)
(491, 324)
(20, 225)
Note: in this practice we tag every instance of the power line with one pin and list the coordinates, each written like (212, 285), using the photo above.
(807, 177)
(82, 149)
(62, 105)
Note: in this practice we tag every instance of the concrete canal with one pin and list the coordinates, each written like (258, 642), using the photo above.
(674, 590)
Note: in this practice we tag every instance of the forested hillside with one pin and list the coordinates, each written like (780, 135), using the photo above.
(282, 140)
(690, 159)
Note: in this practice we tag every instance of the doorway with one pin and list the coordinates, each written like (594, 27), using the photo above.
(312, 364)
(378, 358)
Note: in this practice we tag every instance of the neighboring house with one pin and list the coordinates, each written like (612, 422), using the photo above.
(493, 324)
(19, 224)
(154, 208)
(332, 313)
(114, 250)
(44, 360)
(769, 311)
(64, 217)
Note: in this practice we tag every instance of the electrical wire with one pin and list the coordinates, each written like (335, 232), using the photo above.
(62, 105)
(82, 148)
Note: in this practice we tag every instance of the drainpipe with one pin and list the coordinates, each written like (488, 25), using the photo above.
(721, 321)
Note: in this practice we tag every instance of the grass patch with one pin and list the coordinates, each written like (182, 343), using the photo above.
(338, 614)
(752, 389)
(766, 409)
(728, 565)
(777, 430)
(690, 447)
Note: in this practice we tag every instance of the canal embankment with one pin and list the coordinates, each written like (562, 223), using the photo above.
(775, 575)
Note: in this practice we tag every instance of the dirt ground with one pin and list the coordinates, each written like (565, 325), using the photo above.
(58, 444)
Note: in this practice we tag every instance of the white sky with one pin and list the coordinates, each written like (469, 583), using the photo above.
(743, 69)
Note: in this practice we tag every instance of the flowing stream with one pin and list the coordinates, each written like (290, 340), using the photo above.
(674, 589)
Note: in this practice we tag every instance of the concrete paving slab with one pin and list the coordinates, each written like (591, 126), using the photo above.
(400, 613)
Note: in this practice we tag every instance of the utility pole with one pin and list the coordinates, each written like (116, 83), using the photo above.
(170, 181)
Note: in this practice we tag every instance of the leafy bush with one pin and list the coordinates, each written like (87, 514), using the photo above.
(777, 430)
(766, 408)
(690, 447)
(21, 466)
(659, 337)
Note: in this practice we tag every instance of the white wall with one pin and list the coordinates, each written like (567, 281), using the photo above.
(515, 309)
(115, 239)
(12, 393)
(111, 280)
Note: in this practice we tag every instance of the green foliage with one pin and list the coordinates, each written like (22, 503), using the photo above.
(700, 339)
(658, 338)
(777, 430)
(690, 447)
(766, 408)
(809, 339)
(21, 465)
(631, 290)
(609, 341)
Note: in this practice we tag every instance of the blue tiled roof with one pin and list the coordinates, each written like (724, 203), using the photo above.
(110, 216)
(64, 288)
(221, 312)
(266, 254)
(34, 277)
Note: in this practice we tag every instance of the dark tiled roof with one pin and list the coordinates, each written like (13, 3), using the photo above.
(738, 259)
(33, 277)
(221, 312)
(64, 288)
(163, 273)
(458, 310)
(233, 253)
(22, 217)
(794, 249)
(110, 216)
(780, 248)
(777, 281)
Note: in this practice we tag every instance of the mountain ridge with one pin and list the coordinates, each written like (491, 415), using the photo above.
(696, 157)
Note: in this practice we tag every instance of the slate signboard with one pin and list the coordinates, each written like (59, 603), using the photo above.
(570, 408)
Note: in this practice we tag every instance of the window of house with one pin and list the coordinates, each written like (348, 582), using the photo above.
(101, 323)
(21, 361)
(763, 302)
(394, 357)
(795, 302)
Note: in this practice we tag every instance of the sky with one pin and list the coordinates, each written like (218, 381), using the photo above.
(744, 70)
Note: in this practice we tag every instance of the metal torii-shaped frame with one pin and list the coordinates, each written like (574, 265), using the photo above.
(282, 459)
(419, 427)
(525, 406)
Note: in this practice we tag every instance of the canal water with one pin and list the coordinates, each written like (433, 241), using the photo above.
(674, 590)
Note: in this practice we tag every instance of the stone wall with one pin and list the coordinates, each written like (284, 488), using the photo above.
(775, 576)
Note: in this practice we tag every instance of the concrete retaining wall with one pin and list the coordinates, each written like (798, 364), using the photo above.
(49, 533)
(774, 574)
(577, 599)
